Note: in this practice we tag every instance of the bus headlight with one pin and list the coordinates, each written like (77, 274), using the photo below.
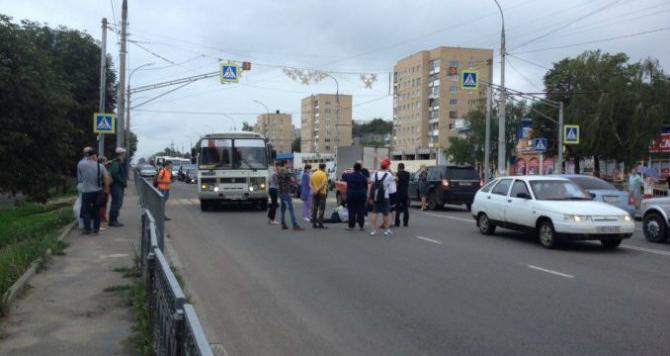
(251, 189)
(216, 189)
(204, 187)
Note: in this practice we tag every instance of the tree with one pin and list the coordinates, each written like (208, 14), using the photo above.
(247, 127)
(295, 145)
(619, 106)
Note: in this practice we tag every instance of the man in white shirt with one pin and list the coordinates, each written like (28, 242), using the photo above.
(383, 185)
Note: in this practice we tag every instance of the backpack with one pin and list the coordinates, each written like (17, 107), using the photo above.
(379, 191)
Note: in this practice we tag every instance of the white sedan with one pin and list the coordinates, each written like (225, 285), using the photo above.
(553, 207)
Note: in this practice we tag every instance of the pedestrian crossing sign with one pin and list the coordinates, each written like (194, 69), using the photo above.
(230, 73)
(469, 79)
(104, 123)
(571, 134)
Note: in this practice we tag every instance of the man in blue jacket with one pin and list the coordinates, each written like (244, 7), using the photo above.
(357, 194)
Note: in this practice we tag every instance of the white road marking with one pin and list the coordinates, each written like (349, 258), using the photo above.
(195, 201)
(429, 240)
(185, 201)
(451, 217)
(650, 250)
(116, 255)
(550, 271)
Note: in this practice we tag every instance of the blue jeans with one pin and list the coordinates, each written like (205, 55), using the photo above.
(287, 201)
(117, 202)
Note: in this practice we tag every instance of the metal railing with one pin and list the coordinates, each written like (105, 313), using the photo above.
(152, 200)
(176, 327)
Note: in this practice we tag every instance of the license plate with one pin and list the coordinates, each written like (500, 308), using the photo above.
(608, 229)
(611, 199)
(465, 184)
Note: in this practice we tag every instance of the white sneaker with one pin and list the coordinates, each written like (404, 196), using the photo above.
(373, 232)
(307, 219)
(274, 222)
(388, 233)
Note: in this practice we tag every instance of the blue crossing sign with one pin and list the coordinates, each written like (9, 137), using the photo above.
(540, 144)
(571, 134)
(229, 73)
(104, 123)
(469, 79)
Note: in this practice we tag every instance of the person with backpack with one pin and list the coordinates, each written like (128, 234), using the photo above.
(357, 188)
(94, 181)
(164, 180)
(383, 185)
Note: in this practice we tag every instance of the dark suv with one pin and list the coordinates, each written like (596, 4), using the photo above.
(445, 185)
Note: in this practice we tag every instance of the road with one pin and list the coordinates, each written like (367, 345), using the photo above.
(437, 287)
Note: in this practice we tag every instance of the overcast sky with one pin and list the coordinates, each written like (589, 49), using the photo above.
(345, 37)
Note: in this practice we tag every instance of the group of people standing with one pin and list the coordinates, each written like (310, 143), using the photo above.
(98, 182)
(381, 190)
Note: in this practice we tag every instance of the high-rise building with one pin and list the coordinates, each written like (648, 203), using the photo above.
(278, 129)
(318, 128)
(429, 104)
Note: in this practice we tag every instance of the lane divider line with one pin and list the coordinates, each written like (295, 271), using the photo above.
(451, 217)
(429, 240)
(650, 250)
(551, 271)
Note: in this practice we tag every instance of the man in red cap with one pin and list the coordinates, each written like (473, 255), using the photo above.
(383, 184)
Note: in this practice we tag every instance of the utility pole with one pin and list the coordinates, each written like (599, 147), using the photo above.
(120, 132)
(502, 149)
(559, 163)
(487, 135)
(103, 81)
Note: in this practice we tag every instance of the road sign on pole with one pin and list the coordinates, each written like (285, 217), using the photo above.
(469, 79)
(230, 73)
(540, 144)
(571, 134)
(104, 123)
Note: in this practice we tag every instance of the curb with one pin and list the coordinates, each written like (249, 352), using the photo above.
(12, 293)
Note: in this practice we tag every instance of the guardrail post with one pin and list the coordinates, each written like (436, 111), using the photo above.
(179, 327)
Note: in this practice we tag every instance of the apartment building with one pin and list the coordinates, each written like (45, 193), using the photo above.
(318, 124)
(429, 105)
(278, 129)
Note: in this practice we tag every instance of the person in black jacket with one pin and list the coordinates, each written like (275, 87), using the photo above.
(357, 193)
(401, 196)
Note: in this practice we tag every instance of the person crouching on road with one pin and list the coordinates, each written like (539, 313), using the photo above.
(306, 193)
(383, 185)
(164, 181)
(286, 180)
(357, 189)
(319, 187)
(273, 190)
(119, 182)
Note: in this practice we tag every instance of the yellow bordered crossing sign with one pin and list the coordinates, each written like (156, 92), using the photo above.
(104, 123)
(469, 79)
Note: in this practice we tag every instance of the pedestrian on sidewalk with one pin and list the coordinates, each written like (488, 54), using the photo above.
(119, 183)
(319, 187)
(286, 180)
(383, 185)
(423, 186)
(273, 191)
(402, 196)
(357, 191)
(79, 211)
(103, 209)
(306, 193)
(164, 181)
(94, 179)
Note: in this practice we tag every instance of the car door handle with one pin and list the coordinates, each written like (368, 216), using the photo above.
(489, 197)
(509, 200)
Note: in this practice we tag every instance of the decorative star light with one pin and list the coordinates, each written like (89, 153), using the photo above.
(369, 79)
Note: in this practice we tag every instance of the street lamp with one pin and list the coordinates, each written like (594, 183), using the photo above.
(263, 127)
(232, 121)
(337, 110)
(501, 111)
(128, 102)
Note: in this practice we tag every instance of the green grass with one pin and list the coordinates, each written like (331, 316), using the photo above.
(26, 232)
(142, 338)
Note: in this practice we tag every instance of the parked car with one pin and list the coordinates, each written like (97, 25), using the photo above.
(147, 171)
(655, 213)
(553, 207)
(601, 190)
(446, 185)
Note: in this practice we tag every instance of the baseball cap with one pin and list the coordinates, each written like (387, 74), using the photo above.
(385, 163)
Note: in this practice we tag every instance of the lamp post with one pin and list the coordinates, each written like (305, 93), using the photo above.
(267, 110)
(337, 110)
(503, 100)
(130, 76)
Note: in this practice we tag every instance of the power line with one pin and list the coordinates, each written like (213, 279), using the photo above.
(152, 52)
(559, 28)
(597, 41)
(524, 77)
(528, 61)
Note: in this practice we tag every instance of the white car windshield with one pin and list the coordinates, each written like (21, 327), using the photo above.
(557, 190)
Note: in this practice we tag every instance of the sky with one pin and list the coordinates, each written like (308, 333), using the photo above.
(346, 38)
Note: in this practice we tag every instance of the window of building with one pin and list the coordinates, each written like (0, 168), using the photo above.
(453, 89)
(455, 64)
(451, 126)
(453, 101)
(453, 114)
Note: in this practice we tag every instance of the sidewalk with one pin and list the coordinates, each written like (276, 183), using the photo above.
(66, 310)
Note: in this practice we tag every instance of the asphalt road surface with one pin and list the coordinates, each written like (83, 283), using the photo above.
(437, 287)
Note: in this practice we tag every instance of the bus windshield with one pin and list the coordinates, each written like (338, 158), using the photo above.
(234, 154)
